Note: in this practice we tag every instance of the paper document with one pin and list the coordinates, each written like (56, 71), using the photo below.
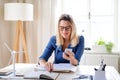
(64, 67)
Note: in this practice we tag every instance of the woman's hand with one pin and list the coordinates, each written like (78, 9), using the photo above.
(47, 65)
(70, 57)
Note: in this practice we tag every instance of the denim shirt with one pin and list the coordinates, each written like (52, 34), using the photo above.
(58, 52)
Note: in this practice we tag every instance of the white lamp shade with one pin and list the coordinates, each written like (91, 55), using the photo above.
(18, 11)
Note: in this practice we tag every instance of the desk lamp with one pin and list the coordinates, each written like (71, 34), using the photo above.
(19, 12)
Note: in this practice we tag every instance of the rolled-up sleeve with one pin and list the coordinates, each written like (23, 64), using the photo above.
(48, 49)
(79, 48)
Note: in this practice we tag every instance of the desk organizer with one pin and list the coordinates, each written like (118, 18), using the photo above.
(99, 75)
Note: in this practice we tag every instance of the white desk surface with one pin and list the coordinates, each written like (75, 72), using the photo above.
(111, 73)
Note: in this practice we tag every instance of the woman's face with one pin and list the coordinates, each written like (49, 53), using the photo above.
(65, 29)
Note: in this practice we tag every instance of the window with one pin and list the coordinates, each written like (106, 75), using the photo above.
(94, 19)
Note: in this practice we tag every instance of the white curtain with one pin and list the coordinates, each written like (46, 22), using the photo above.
(39, 31)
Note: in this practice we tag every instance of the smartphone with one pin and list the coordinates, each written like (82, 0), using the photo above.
(68, 49)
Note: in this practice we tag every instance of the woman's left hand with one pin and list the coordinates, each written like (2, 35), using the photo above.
(70, 57)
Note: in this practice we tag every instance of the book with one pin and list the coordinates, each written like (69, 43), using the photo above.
(41, 75)
(40, 72)
(5, 71)
(62, 67)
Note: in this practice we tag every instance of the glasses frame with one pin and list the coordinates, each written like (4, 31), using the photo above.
(67, 28)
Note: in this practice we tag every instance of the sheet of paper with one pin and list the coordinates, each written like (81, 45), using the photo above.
(64, 67)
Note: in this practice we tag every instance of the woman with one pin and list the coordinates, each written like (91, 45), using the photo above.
(66, 37)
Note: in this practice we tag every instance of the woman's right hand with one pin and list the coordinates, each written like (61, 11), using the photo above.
(48, 66)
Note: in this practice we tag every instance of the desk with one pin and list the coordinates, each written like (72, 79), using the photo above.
(111, 73)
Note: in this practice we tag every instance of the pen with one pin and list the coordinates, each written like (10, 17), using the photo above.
(38, 63)
(103, 68)
(101, 65)
(50, 70)
(95, 69)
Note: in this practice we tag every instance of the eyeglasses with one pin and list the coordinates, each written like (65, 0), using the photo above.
(65, 28)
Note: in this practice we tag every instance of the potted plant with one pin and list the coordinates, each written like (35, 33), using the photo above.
(108, 45)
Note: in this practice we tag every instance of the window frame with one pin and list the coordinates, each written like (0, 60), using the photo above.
(116, 30)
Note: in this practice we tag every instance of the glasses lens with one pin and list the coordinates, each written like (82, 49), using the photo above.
(65, 28)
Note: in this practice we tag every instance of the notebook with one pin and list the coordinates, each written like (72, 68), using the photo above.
(5, 71)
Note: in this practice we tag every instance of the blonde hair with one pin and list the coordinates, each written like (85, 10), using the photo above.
(73, 38)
